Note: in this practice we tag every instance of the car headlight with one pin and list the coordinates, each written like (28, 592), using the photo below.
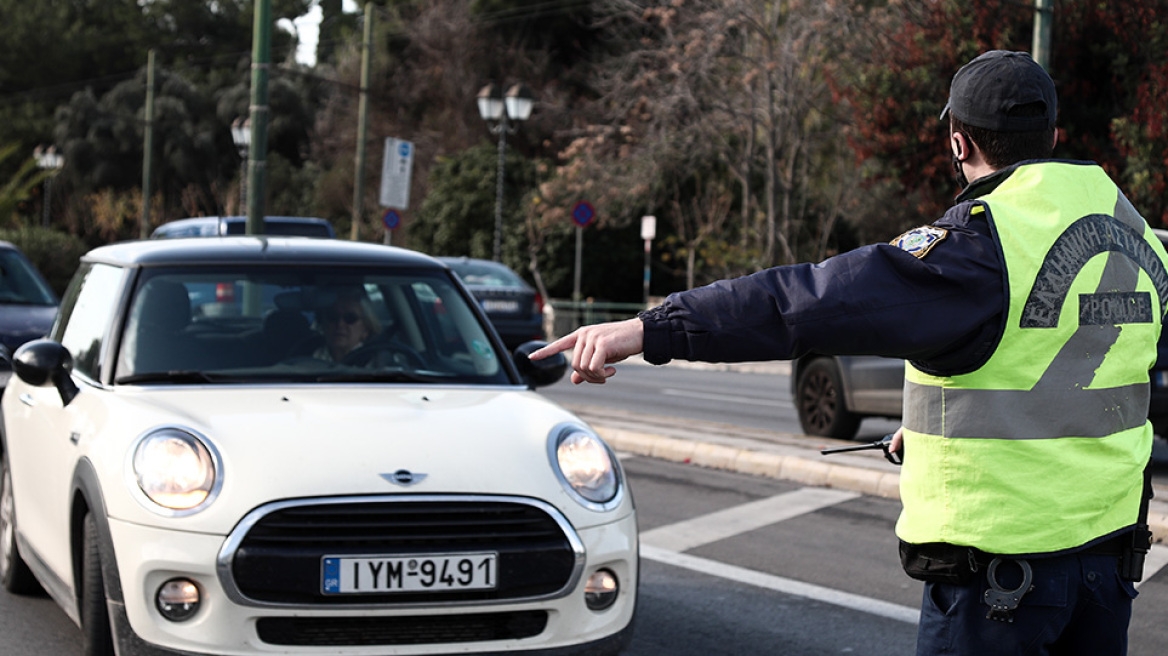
(176, 469)
(586, 467)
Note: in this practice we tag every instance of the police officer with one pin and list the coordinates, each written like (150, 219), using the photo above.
(1029, 315)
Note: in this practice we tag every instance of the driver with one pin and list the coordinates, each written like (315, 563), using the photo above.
(346, 325)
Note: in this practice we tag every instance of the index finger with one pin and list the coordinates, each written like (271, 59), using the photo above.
(562, 344)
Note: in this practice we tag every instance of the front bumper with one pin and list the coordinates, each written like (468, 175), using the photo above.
(148, 557)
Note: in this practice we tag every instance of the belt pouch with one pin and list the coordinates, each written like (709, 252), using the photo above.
(937, 562)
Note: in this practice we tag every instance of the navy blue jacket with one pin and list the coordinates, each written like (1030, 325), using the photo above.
(944, 311)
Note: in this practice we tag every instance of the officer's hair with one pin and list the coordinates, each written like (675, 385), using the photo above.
(1001, 149)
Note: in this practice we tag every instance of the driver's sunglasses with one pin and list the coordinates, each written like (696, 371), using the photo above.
(348, 317)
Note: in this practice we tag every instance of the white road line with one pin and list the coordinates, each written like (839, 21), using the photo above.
(1156, 559)
(783, 585)
(686, 535)
(718, 397)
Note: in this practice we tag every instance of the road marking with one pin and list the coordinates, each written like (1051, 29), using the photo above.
(686, 535)
(718, 397)
(783, 585)
(1156, 559)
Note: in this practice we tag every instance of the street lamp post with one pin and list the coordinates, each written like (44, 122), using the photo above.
(503, 115)
(241, 135)
(49, 159)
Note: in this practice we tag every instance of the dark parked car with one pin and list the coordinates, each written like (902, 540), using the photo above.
(833, 394)
(512, 305)
(27, 302)
(216, 226)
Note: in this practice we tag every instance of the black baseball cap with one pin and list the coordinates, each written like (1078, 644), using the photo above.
(985, 90)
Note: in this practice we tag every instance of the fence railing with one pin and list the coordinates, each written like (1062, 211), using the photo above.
(562, 317)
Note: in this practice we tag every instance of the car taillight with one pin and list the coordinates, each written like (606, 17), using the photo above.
(225, 292)
(537, 306)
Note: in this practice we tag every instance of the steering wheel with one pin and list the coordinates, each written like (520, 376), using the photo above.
(385, 354)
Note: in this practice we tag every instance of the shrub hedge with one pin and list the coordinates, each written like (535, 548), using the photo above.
(55, 253)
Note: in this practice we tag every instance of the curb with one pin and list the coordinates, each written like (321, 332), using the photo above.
(867, 474)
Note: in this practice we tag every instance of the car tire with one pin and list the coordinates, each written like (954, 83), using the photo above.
(97, 636)
(14, 572)
(819, 399)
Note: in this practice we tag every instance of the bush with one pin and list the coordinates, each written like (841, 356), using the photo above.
(55, 253)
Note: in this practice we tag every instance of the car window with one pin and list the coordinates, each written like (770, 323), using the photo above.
(486, 274)
(19, 282)
(296, 324)
(86, 313)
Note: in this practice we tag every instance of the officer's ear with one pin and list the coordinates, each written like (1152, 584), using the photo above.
(961, 146)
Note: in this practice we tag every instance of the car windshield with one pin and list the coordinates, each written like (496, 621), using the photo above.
(485, 274)
(303, 324)
(20, 284)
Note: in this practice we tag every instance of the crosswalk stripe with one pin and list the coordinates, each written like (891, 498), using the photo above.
(783, 585)
(695, 532)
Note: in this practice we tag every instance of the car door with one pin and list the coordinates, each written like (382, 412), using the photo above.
(43, 433)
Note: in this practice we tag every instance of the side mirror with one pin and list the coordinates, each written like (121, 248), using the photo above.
(539, 373)
(43, 362)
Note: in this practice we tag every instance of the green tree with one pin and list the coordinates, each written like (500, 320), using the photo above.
(458, 214)
(19, 187)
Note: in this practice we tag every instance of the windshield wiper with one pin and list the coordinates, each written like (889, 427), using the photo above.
(179, 377)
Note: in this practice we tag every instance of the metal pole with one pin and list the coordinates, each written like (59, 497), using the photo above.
(579, 257)
(498, 250)
(48, 201)
(147, 151)
(1043, 17)
(645, 282)
(258, 149)
(362, 125)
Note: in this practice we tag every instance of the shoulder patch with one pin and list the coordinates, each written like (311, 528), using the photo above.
(919, 241)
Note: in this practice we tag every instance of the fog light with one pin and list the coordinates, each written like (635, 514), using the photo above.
(178, 600)
(601, 589)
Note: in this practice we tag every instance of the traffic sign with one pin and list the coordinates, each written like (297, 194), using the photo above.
(397, 167)
(391, 219)
(583, 214)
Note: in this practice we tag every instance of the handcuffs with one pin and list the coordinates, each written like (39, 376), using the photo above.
(1003, 602)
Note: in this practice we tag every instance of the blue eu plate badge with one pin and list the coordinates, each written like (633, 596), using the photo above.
(919, 241)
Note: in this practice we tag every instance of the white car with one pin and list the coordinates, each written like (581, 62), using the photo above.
(192, 466)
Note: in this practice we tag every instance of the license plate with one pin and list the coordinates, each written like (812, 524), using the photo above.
(496, 305)
(419, 573)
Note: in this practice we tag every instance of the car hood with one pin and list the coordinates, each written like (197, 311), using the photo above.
(21, 323)
(285, 443)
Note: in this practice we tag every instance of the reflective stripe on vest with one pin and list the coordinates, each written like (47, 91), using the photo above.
(996, 458)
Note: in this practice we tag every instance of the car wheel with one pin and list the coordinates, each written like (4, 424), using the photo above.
(95, 622)
(819, 398)
(14, 573)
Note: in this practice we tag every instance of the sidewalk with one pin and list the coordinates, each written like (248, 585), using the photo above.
(773, 454)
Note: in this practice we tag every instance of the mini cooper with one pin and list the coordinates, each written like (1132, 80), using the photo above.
(260, 445)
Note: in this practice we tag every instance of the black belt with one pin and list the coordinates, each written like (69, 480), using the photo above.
(1112, 546)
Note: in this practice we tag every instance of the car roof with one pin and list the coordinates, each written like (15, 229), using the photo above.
(208, 226)
(256, 249)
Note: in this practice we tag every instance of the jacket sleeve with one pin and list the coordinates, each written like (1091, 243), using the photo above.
(945, 307)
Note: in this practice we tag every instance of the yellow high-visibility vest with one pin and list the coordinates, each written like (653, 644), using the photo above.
(1043, 447)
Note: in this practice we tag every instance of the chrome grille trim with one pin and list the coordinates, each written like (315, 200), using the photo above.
(235, 539)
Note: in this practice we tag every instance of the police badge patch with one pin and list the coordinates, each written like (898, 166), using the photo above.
(919, 241)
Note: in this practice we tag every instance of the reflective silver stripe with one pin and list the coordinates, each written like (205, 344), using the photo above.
(1037, 414)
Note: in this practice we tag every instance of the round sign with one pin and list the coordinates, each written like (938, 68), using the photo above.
(391, 219)
(583, 214)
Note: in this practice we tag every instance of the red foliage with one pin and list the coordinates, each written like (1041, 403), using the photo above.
(1108, 61)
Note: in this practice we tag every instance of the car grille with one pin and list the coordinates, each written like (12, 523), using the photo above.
(278, 560)
(364, 631)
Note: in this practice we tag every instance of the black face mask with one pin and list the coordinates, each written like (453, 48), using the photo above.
(959, 174)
